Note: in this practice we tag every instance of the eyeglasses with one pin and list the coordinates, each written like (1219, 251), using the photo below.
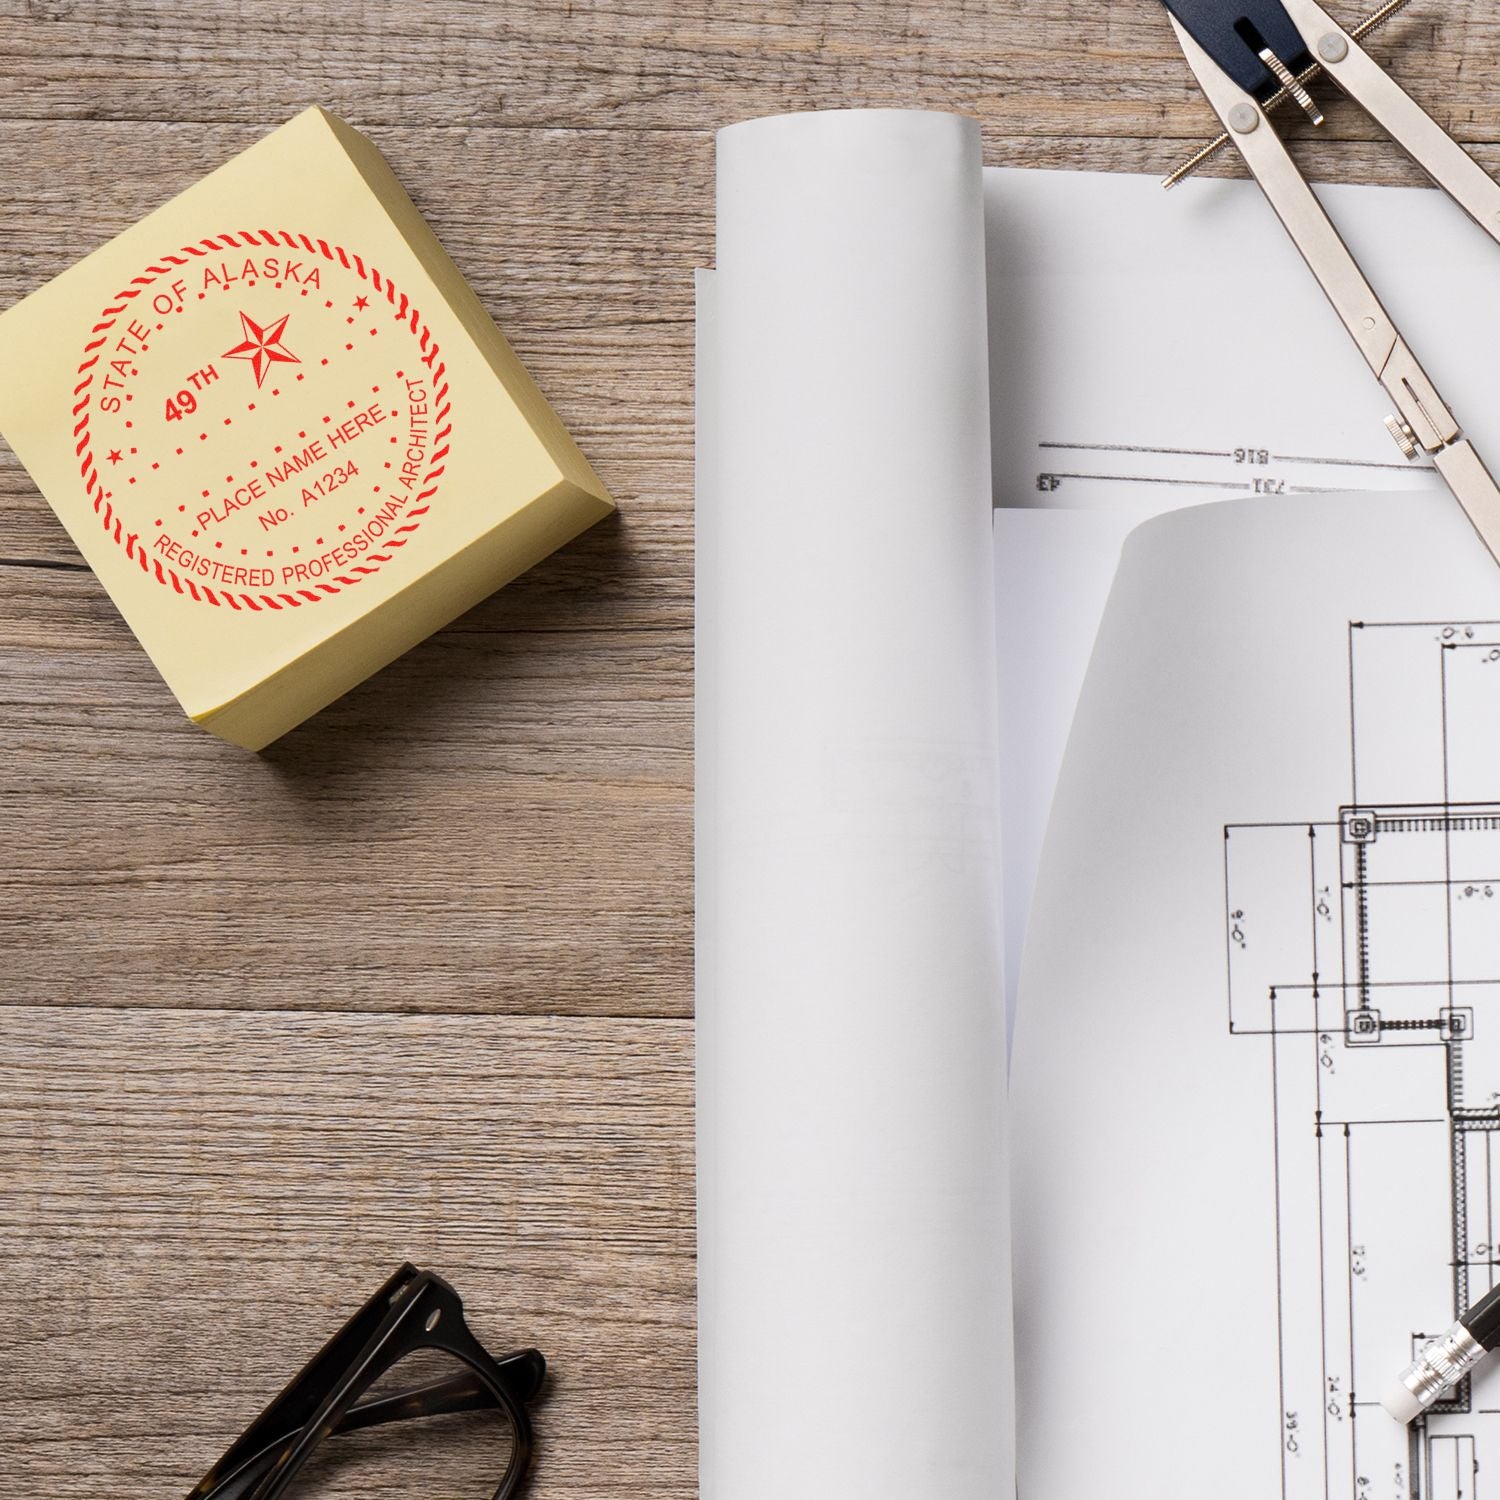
(414, 1311)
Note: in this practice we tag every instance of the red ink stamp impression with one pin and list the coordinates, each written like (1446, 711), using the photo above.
(262, 420)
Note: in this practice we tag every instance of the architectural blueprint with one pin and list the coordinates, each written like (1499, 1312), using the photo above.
(1363, 950)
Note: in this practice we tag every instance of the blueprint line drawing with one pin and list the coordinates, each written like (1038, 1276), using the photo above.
(1363, 954)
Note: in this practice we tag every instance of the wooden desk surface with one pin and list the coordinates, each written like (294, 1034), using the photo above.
(416, 982)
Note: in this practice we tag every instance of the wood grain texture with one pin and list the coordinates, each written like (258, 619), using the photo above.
(194, 1201)
(417, 981)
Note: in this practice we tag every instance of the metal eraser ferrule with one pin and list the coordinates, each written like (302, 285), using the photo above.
(1440, 1365)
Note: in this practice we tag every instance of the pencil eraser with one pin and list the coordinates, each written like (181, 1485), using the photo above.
(1401, 1403)
(283, 431)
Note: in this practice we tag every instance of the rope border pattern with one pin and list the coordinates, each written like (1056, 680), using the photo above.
(405, 313)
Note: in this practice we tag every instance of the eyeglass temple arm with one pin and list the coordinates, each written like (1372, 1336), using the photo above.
(522, 1374)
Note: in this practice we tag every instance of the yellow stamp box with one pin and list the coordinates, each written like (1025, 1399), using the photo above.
(283, 431)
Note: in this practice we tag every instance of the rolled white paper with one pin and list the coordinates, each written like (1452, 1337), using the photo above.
(853, 1236)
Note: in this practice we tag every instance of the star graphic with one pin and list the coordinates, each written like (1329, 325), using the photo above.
(262, 346)
(361, 302)
(115, 456)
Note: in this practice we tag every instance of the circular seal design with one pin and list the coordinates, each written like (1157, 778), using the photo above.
(261, 420)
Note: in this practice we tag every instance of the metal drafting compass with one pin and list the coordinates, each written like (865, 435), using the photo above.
(1249, 56)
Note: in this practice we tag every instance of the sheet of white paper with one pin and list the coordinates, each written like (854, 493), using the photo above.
(1150, 350)
(1257, 1061)
(1053, 569)
(1154, 349)
(854, 1336)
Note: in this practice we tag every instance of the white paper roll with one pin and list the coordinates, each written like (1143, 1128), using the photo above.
(853, 1237)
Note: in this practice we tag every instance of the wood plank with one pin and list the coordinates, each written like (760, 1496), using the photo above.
(1032, 67)
(500, 820)
(194, 1201)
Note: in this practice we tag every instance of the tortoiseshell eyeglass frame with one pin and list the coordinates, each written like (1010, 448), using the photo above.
(413, 1311)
